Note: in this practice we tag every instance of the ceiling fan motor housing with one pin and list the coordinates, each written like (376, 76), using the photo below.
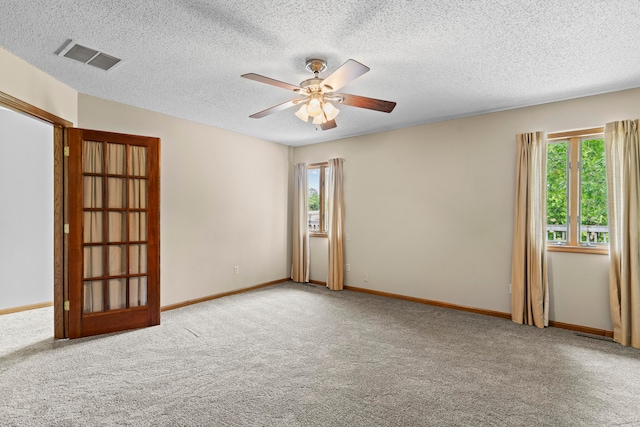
(312, 85)
(316, 65)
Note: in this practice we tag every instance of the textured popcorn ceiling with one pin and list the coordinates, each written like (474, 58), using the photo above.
(436, 59)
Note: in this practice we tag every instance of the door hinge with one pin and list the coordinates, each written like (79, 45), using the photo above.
(66, 151)
(66, 229)
(66, 306)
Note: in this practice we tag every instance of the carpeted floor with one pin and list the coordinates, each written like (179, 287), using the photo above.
(301, 355)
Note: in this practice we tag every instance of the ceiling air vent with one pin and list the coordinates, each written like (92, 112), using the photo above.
(88, 56)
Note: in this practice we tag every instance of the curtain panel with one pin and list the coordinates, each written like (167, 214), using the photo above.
(116, 232)
(623, 187)
(335, 278)
(529, 275)
(300, 250)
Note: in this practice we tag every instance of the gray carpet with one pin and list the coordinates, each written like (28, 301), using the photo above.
(301, 355)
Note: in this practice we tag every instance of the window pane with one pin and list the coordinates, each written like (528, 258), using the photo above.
(593, 192)
(557, 191)
(314, 200)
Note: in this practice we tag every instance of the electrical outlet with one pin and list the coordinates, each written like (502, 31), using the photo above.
(236, 269)
(509, 287)
(365, 278)
(348, 236)
(348, 267)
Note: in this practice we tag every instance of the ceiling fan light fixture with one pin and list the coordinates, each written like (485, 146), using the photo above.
(302, 113)
(319, 119)
(314, 107)
(330, 112)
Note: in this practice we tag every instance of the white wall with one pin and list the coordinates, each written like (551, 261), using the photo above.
(26, 217)
(430, 209)
(224, 201)
(27, 83)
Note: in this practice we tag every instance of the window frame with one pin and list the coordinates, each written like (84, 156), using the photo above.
(573, 243)
(322, 166)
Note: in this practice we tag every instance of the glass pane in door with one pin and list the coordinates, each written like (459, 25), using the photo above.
(137, 291)
(93, 261)
(92, 192)
(92, 227)
(117, 260)
(93, 296)
(138, 226)
(93, 157)
(117, 227)
(116, 161)
(137, 259)
(138, 193)
(117, 294)
(138, 161)
(117, 193)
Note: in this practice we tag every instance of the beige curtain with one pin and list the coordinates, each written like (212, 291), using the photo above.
(300, 255)
(117, 225)
(138, 226)
(93, 264)
(623, 185)
(529, 279)
(335, 199)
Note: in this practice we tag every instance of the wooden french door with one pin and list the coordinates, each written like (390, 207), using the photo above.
(114, 232)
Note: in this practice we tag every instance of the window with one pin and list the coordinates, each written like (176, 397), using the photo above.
(577, 191)
(318, 207)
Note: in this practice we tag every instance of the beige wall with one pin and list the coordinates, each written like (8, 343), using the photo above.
(27, 83)
(430, 209)
(223, 201)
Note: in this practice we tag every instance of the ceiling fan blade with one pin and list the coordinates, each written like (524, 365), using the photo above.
(364, 102)
(275, 109)
(328, 125)
(270, 81)
(347, 72)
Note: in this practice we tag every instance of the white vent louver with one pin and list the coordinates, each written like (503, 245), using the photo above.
(88, 56)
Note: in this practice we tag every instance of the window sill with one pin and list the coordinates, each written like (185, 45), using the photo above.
(318, 235)
(598, 250)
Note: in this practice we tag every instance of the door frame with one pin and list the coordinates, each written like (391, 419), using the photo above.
(60, 239)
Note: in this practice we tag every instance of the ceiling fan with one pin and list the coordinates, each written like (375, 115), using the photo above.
(316, 94)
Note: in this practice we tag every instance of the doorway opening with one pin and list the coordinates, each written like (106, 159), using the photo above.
(26, 220)
(18, 180)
